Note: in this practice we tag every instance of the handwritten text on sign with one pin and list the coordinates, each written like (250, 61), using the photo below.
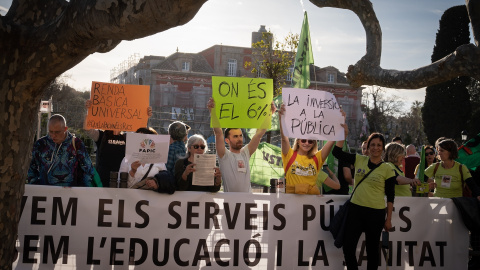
(242, 102)
(121, 107)
(311, 114)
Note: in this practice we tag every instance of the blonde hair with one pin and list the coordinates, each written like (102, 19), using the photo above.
(311, 152)
(392, 151)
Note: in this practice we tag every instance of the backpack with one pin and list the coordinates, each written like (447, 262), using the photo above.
(466, 192)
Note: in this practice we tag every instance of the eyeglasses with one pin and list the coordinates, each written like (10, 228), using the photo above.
(429, 153)
(309, 141)
(197, 146)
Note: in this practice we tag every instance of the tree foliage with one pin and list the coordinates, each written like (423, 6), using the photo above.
(272, 59)
(382, 109)
(473, 124)
(447, 105)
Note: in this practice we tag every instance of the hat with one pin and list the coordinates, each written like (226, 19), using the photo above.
(178, 130)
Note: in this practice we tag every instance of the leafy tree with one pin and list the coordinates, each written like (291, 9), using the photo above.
(473, 126)
(39, 40)
(272, 59)
(447, 105)
(410, 126)
(382, 109)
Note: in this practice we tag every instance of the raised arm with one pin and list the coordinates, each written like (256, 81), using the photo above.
(345, 128)
(219, 139)
(326, 149)
(255, 141)
(285, 141)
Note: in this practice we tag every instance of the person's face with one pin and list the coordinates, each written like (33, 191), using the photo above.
(364, 149)
(235, 139)
(375, 148)
(197, 148)
(443, 154)
(305, 145)
(400, 159)
(429, 156)
(57, 132)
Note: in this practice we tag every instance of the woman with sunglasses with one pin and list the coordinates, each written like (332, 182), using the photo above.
(430, 158)
(302, 164)
(366, 213)
(184, 167)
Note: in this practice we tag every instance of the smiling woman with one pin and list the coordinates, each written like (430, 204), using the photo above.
(302, 164)
(373, 180)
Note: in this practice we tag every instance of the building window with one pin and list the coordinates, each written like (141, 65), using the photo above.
(290, 74)
(259, 73)
(331, 78)
(186, 66)
(232, 67)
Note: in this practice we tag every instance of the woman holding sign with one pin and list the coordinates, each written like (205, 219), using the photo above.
(185, 167)
(137, 172)
(302, 164)
(366, 213)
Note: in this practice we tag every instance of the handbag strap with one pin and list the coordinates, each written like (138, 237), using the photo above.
(364, 178)
(146, 174)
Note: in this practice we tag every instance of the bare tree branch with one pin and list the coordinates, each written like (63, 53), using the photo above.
(367, 71)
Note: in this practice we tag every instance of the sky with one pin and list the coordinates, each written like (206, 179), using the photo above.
(409, 29)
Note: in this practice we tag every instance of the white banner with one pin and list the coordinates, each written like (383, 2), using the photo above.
(311, 114)
(81, 228)
(148, 148)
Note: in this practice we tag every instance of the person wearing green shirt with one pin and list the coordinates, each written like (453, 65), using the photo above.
(446, 176)
(367, 206)
(394, 156)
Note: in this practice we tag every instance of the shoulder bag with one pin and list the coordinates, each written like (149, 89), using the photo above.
(337, 225)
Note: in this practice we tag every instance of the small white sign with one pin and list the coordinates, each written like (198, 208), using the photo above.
(311, 114)
(204, 170)
(147, 148)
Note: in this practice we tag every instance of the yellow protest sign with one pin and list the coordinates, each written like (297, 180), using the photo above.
(241, 102)
(121, 107)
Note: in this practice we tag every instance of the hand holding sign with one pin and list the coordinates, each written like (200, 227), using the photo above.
(311, 114)
(241, 102)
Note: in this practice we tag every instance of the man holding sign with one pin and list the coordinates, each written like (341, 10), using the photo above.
(234, 163)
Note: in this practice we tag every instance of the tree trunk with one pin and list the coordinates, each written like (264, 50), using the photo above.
(39, 40)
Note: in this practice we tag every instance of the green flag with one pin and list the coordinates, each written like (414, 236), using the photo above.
(266, 163)
(303, 58)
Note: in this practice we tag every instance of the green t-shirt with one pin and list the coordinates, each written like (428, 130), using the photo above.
(371, 192)
(449, 182)
(401, 190)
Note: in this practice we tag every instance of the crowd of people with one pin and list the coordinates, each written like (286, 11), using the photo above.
(382, 170)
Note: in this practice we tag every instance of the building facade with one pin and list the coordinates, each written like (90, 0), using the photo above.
(181, 84)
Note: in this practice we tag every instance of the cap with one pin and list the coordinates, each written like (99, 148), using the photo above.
(178, 130)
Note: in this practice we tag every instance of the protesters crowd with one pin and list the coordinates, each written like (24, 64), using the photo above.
(382, 170)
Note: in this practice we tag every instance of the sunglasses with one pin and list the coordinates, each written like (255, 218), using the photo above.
(309, 141)
(429, 153)
(199, 146)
